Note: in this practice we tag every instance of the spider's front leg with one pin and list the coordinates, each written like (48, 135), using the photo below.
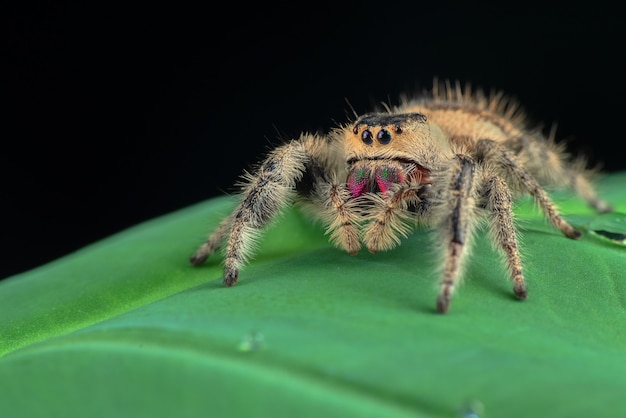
(265, 193)
(456, 226)
(389, 216)
(340, 213)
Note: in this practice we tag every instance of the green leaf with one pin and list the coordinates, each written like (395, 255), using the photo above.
(125, 327)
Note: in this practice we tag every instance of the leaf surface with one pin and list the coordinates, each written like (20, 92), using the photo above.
(125, 327)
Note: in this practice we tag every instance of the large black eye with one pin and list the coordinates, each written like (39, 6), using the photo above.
(384, 137)
(367, 137)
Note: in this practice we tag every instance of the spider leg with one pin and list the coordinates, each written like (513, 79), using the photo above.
(583, 188)
(456, 227)
(212, 243)
(265, 193)
(545, 159)
(340, 213)
(498, 203)
(492, 151)
(389, 216)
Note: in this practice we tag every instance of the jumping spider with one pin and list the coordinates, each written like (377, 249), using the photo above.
(448, 159)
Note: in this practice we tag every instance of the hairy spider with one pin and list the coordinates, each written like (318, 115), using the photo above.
(447, 159)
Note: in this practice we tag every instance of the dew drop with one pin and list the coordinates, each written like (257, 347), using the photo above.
(472, 409)
(253, 341)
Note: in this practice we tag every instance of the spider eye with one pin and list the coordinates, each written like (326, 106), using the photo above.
(367, 137)
(384, 137)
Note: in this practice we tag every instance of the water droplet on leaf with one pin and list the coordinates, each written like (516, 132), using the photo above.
(252, 341)
(472, 409)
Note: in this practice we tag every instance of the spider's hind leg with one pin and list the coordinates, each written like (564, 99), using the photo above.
(582, 186)
(547, 161)
(493, 152)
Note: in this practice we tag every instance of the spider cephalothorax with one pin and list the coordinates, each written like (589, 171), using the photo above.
(446, 160)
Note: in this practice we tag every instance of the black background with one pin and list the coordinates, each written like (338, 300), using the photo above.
(115, 115)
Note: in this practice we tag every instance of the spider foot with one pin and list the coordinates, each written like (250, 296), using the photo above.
(519, 289)
(603, 207)
(443, 304)
(569, 231)
(201, 255)
(443, 301)
(230, 277)
(198, 258)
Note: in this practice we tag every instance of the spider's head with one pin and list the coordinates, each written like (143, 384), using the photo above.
(385, 136)
(383, 149)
